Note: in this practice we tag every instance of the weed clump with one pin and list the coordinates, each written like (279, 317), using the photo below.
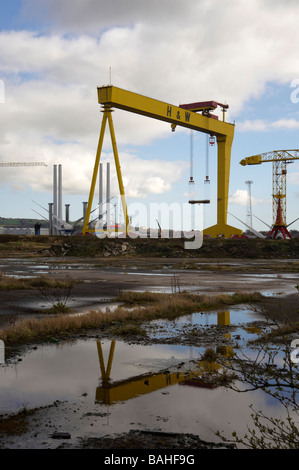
(40, 282)
(128, 330)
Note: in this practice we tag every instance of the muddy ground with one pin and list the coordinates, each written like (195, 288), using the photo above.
(99, 281)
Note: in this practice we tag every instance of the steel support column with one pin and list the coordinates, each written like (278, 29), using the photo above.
(106, 115)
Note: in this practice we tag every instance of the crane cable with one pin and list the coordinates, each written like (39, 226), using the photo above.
(191, 157)
(207, 161)
(207, 179)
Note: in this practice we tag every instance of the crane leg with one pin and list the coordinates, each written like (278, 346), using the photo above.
(106, 115)
(95, 173)
(224, 144)
(118, 171)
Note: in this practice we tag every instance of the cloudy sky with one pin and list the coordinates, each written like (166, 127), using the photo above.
(55, 53)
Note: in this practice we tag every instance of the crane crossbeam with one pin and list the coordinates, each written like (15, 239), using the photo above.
(139, 104)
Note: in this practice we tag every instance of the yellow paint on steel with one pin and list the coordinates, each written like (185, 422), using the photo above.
(135, 387)
(110, 96)
(139, 104)
(111, 392)
(105, 372)
(106, 115)
(95, 174)
(118, 171)
(101, 360)
(223, 318)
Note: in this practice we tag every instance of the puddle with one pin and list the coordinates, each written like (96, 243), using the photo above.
(155, 388)
(66, 370)
(23, 267)
(242, 319)
(146, 273)
(271, 276)
(279, 292)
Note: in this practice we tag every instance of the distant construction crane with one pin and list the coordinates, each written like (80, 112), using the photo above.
(279, 159)
(22, 164)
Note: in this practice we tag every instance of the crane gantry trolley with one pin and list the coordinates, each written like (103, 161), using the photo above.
(193, 116)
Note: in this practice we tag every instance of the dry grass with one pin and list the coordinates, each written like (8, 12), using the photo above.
(15, 424)
(12, 283)
(122, 321)
(31, 329)
(168, 306)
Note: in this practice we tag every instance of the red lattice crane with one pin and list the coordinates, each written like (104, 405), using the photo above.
(279, 159)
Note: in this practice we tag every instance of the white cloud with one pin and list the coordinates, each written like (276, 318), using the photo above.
(171, 50)
(285, 124)
(141, 177)
(259, 125)
(145, 177)
(240, 197)
(177, 50)
(96, 15)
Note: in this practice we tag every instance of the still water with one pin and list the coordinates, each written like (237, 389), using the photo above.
(102, 387)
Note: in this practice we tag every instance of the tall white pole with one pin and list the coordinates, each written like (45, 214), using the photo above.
(50, 218)
(67, 213)
(249, 205)
(60, 192)
(101, 195)
(54, 197)
(84, 209)
(108, 194)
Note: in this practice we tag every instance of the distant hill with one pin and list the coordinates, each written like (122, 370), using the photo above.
(30, 223)
(22, 223)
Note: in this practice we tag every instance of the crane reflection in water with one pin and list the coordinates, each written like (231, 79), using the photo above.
(111, 392)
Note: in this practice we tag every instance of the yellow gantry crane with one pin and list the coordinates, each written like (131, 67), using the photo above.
(280, 159)
(194, 116)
